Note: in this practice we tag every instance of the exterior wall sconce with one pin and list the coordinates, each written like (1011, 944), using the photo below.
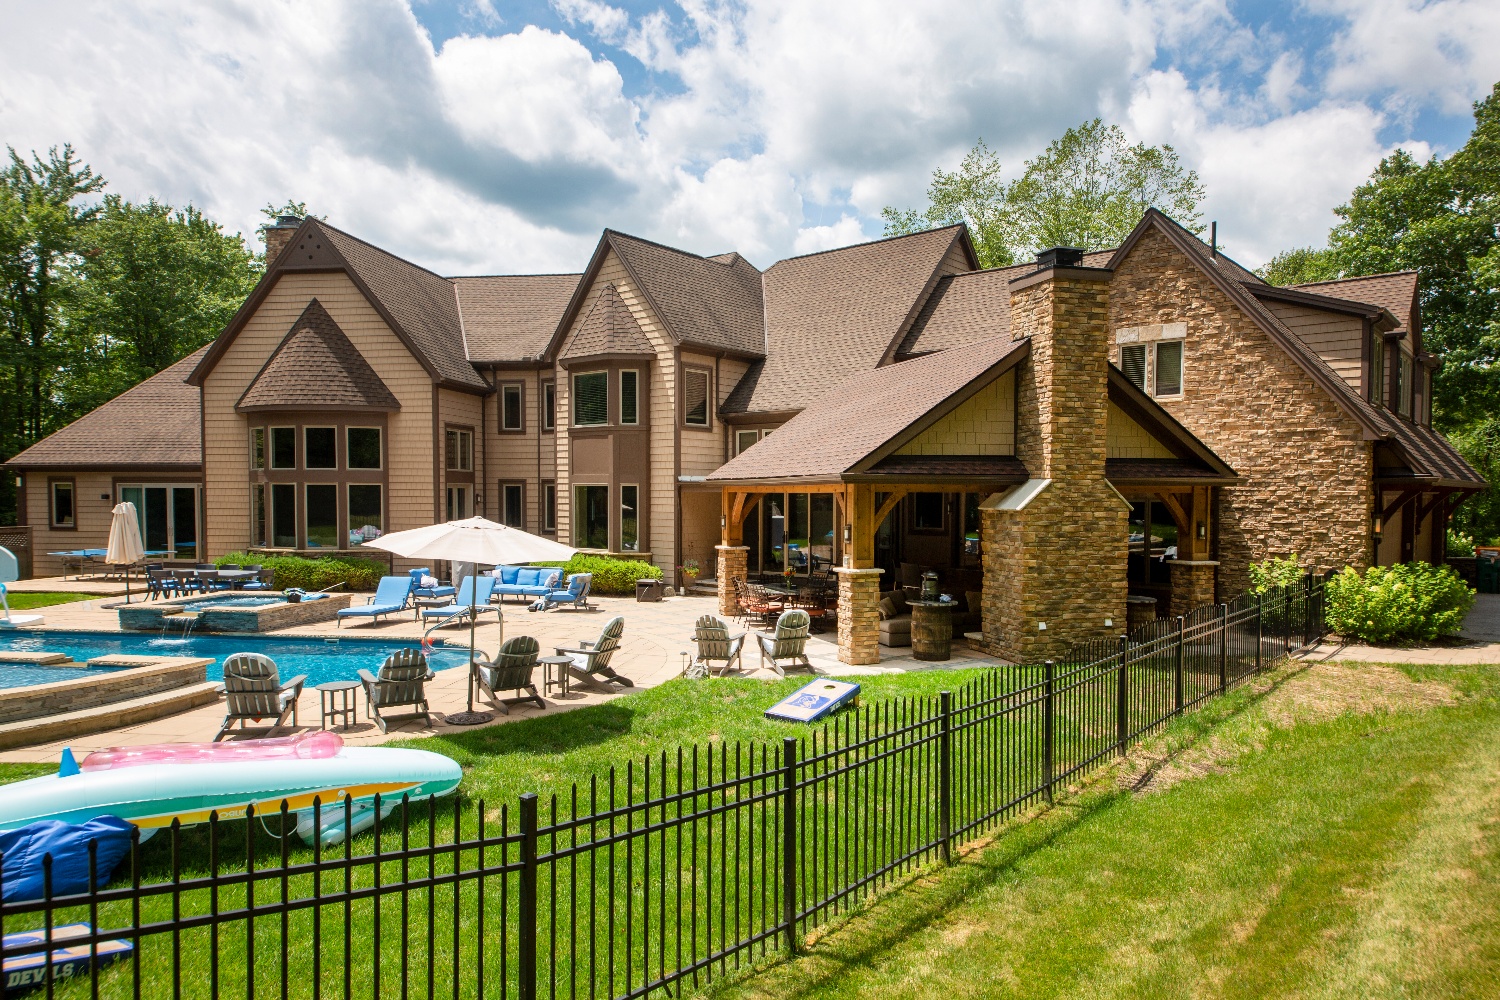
(848, 534)
(1202, 532)
(1375, 526)
(723, 522)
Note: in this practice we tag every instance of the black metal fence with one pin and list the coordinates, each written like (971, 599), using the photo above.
(653, 879)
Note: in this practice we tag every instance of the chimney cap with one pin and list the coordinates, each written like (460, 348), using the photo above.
(288, 221)
(1059, 257)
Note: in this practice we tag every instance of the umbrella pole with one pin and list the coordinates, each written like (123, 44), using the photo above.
(469, 717)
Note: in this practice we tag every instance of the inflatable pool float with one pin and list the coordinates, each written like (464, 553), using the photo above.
(150, 786)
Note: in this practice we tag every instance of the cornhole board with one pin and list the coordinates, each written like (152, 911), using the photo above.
(811, 702)
(25, 972)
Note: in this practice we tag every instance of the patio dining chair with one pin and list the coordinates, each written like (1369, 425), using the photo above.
(788, 643)
(401, 683)
(716, 645)
(753, 608)
(512, 669)
(253, 691)
(265, 579)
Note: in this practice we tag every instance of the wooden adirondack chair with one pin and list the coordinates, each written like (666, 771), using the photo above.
(401, 683)
(253, 691)
(512, 669)
(789, 642)
(590, 665)
(716, 645)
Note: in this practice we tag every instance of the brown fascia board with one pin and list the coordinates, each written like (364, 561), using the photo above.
(1328, 303)
(757, 416)
(961, 236)
(1150, 414)
(133, 467)
(1240, 296)
(597, 359)
(946, 406)
(534, 365)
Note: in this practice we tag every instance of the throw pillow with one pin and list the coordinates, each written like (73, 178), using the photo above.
(887, 609)
(429, 581)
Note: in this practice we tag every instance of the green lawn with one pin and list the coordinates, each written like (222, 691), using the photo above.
(44, 599)
(1350, 855)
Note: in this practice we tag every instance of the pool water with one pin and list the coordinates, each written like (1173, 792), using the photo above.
(321, 660)
(16, 675)
(231, 603)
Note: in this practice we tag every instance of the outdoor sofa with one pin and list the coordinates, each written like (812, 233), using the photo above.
(526, 581)
(895, 617)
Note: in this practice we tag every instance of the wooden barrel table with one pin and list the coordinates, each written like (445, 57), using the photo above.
(931, 629)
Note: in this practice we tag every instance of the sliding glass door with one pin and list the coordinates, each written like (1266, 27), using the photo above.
(168, 517)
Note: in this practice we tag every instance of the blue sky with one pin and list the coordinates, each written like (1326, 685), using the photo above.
(491, 136)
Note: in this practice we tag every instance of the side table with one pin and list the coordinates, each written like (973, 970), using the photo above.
(931, 629)
(338, 700)
(429, 602)
(555, 673)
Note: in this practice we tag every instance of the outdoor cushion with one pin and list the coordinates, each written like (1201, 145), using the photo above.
(887, 608)
(529, 581)
(507, 574)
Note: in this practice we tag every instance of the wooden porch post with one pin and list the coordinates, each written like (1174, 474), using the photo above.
(859, 581)
(733, 556)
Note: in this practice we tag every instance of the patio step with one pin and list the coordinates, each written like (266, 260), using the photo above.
(30, 732)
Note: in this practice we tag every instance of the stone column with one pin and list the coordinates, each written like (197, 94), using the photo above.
(859, 615)
(1192, 584)
(731, 565)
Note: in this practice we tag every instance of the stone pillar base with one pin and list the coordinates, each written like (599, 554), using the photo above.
(1192, 584)
(859, 615)
(731, 565)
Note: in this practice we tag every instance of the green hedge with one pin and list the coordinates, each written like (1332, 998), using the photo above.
(314, 574)
(1403, 603)
(611, 576)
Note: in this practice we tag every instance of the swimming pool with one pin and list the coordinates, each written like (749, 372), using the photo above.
(320, 659)
(227, 601)
(15, 675)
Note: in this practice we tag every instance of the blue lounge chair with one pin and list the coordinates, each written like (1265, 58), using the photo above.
(390, 598)
(467, 596)
(577, 594)
(441, 590)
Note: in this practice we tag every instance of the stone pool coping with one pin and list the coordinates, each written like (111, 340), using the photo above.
(78, 706)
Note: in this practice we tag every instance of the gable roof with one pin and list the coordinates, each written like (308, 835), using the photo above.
(608, 329)
(834, 314)
(157, 423)
(316, 367)
(420, 307)
(1194, 461)
(851, 424)
(972, 306)
(1428, 455)
(511, 317)
(1395, 292)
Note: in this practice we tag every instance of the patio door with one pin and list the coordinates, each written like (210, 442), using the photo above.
(168, 517)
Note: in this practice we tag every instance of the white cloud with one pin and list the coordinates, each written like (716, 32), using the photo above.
(811, 239)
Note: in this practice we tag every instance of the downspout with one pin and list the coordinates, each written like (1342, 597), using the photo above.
(484, 449)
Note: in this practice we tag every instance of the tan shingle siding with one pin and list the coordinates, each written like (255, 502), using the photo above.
(1334, 337)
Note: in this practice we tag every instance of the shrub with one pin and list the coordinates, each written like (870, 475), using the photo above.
(1408, 602)
(314, 574)
(1274, 573)
(1459, 544)
(611, 575)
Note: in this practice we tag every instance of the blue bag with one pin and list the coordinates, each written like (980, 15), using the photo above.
(21, 854)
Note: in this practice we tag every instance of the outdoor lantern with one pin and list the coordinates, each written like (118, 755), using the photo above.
(929, 586)
(848, 534)
(1375, 525)
(1202, 531)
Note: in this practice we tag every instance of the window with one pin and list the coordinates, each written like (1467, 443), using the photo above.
(1169, 368)
(510, 408)
(629, 399)
(591, 517)
(62, 504)
(322, 516)
(365, 521)
(258, 515)
(284, 516)
(927, 512)
(458, 503)
(364, 448)
(283, 447)
(168, 516)
(549, 405)
(590, 399)
(744, 439)
(257, 448)
(321, 445)
(1403, 386)
(630, 525)
(695, 398)
(1377, 368)
(460, 451)
(549, 507)
(512, 505)
(1133, 364)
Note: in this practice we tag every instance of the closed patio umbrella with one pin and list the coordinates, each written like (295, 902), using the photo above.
(473, 540)
(125, 547)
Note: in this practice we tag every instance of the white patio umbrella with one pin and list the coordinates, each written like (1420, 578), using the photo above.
(125, 546)
(473, 540)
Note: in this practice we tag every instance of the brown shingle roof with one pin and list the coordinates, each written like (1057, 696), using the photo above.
(511, 317)
(317, 368)
(1396, 292)
(834, 314)
(709, 302)
(157, 423)
(609, 328)
(860, 414)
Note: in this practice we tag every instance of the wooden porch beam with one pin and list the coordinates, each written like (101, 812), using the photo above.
(1401, 500)
(886, 508)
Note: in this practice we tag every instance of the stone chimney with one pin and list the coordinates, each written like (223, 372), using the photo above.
(1055, 549)
(279, 234)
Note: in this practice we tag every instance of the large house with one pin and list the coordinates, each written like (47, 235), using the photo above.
(1145, 421)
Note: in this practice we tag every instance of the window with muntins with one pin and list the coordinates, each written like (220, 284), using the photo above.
(744, 439)
(1169, 368)
(1377, 369)
(695, 398)
(257, 448)
(1133, 364)
(549, 405)
(590, 399)
(460, 451)
(629, 398)
(258, 514)
(1403, 386)
(510, 408)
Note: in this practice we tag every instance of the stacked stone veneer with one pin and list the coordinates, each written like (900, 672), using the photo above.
(859, 615)
(1306, 467)
(732, 564)
(1192, 586)
(1061, 559)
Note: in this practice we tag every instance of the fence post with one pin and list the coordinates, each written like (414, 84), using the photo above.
(1177, 672)
(1122, 699)
(1307, 622)
(1047, 732)
(945, 775)
(789, 840)
(526, 955)
(1260, 627)
(1223, 648)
